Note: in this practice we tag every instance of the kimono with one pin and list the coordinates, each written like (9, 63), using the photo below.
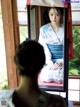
(45, 100)
(53, 44)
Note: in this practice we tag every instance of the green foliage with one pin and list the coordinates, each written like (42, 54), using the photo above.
(73, 72)
(76, 41)
(74, 65)
(4, 85)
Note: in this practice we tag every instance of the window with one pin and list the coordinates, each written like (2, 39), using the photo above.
(74, 64)
(22, 19)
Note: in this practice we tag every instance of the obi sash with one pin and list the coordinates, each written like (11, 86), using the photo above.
(56, 51)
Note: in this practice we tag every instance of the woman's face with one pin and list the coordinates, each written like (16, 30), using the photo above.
(54, 16)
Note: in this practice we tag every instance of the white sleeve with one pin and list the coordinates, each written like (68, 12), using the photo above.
(46, 50)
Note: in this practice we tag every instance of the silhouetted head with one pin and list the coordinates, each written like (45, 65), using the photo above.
(29, 58)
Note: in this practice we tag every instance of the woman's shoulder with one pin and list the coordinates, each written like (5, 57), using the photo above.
(52, 100)
(57, 100)
(45, 27)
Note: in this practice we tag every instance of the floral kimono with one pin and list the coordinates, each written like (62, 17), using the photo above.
(53, 43)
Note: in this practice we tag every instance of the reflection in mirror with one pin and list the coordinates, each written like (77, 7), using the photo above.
(51, 37)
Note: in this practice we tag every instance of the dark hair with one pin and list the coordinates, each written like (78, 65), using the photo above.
(29, 58)
(58, 9)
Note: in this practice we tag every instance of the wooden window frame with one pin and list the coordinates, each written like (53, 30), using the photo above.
(11, 38)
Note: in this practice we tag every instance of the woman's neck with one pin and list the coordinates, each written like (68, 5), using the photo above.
(28, 90)
(55, 26)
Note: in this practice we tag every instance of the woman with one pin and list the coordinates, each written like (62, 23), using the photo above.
(29, 59)
(52, 39)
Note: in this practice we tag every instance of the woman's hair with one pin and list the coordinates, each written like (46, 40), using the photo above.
(29, 58)
(58, 9)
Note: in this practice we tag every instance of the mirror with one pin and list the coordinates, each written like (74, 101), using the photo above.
(47, 26)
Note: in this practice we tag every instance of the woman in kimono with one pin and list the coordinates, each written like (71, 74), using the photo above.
(52, 39)
(29, 59)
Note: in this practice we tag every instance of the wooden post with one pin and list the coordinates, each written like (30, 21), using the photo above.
(9, 42)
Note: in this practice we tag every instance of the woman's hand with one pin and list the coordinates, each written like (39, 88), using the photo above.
(60, 64)
(56, 65)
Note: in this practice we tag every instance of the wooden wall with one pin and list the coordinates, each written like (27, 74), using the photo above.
(10, 34)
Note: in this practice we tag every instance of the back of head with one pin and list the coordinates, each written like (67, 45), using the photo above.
(29, 58)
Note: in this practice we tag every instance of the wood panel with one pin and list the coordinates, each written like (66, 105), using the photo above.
(7, 16)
